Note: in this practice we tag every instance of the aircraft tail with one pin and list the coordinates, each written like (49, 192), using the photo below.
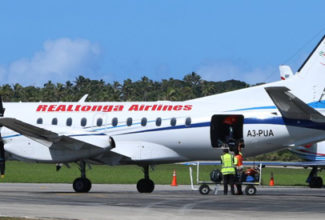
(315, 62)
(309, 81)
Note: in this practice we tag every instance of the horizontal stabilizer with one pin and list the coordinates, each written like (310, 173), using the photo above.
(292, 107)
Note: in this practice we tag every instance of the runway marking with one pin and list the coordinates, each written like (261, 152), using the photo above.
(184, 209)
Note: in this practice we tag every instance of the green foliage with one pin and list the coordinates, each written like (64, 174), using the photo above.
(192, 86)
(283, 155)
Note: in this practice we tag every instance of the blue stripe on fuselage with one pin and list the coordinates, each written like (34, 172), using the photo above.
(287, 122)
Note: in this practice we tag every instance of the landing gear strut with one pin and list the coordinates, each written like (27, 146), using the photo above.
(145, 185)
(82, 184)
(314, 180)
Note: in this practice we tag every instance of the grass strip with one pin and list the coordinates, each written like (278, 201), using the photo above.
(20, 172)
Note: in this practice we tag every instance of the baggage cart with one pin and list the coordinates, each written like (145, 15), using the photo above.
(206, 186)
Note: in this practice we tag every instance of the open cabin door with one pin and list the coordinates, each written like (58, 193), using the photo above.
(226, 129)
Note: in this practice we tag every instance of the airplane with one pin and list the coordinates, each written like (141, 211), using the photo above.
(266, 118)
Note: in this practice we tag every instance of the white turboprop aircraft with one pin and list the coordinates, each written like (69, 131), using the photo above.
(267, 118)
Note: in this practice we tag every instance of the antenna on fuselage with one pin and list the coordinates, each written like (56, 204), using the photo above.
(83, 99)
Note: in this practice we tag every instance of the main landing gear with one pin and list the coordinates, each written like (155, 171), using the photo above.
(82, 184)
(314, 180)
(145, 185)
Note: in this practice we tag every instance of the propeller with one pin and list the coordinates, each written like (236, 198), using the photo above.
(2, 149)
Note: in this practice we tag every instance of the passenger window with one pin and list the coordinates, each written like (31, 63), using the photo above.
(69, 122)
(188, 122)
(114, 122)
(158, 122)
(173, 122)
(83, 122)
(144, 122)
(99, 122)
(54, 121)
(39, 121)
(129, 122)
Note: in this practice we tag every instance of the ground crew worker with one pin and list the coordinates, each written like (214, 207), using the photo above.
(228, 171)
(239, 171)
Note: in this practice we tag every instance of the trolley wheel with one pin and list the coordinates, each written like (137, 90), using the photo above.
(250, 190)
(204, 189)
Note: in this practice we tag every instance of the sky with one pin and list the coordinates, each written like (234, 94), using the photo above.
(115, 40)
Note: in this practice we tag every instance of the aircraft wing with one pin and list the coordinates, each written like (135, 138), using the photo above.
(263, 163)
(292, 107)
(72, 141)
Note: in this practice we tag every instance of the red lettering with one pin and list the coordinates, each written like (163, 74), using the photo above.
(60, 108)
(107, 108)
(167, 108)
(154, 107)
(177, 107)
(187, 108)
(41, 108)
(133, 108)
(77, 109)
(51, 108)
(97, 108)
(118, 108)
(147, 107)
(69, 109)
(159, 108)
(85, 108)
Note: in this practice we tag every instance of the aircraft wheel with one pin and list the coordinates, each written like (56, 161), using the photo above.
(204, 189)
(145, 186)
(250, 190)
(316, 182)
(81, 185)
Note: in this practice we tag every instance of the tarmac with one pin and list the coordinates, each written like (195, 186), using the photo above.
(58, 201)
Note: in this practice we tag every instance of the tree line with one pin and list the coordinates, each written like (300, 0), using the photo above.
(145, 89)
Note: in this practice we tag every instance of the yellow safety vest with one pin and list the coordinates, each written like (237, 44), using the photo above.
(228, 164)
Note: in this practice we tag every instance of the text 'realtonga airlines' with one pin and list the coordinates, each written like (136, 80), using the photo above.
(267, 118)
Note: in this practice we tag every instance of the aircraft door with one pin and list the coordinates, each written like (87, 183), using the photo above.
(226, 129)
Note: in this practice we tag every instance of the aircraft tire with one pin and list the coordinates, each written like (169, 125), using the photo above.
(81, 185)
(204, 189)
(145, 186)
(316, 182)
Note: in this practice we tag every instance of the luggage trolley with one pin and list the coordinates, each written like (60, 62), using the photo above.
(204, 186)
